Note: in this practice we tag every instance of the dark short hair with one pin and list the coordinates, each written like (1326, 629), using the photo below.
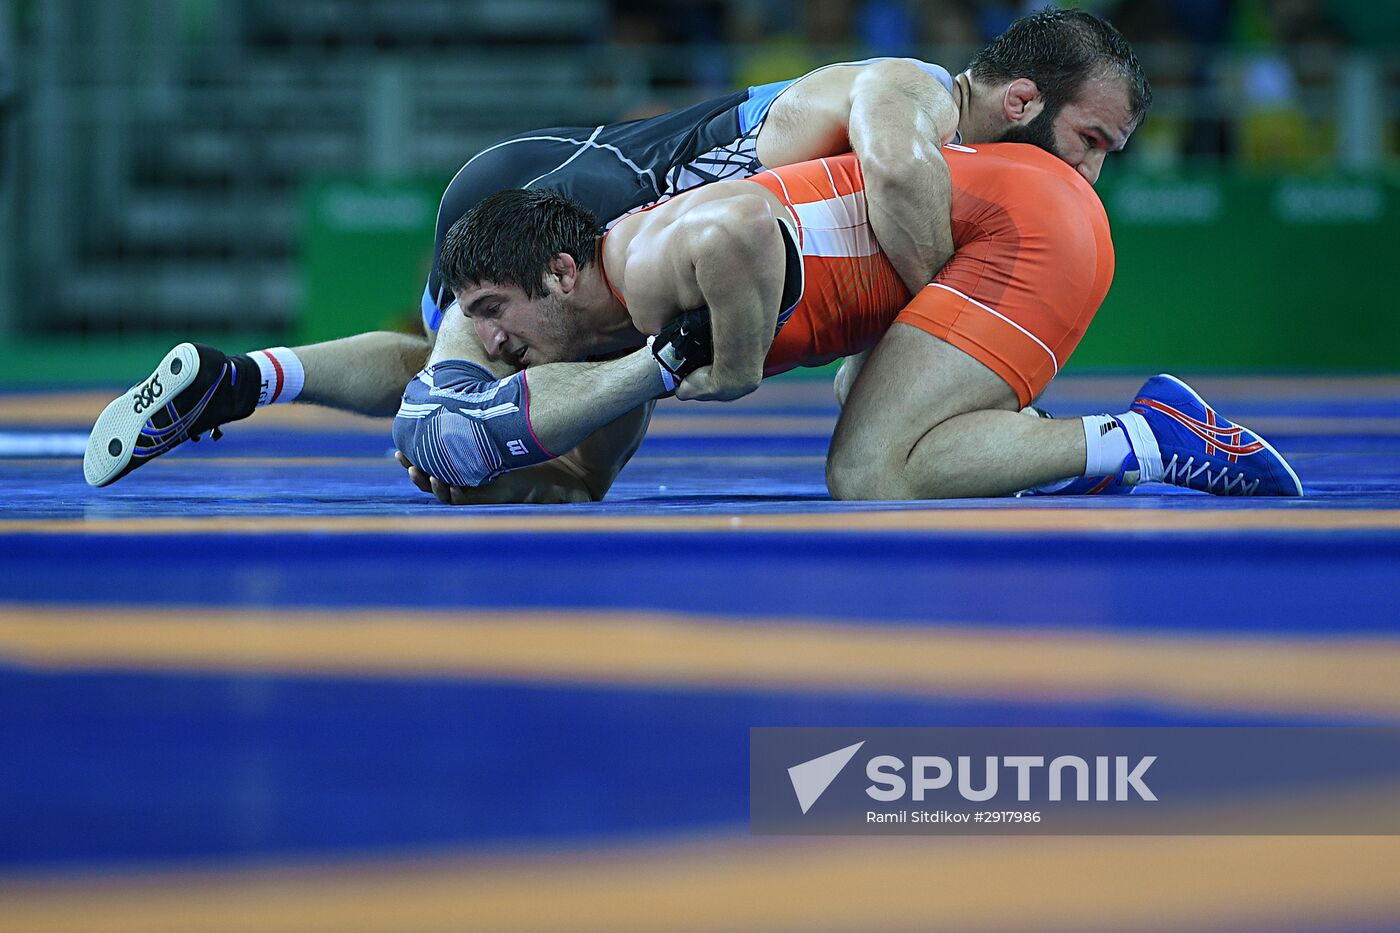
(511, 236)
(1060, 50)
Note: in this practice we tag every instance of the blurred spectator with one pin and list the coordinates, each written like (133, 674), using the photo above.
(1367, 23)
(950, 23)
(1153, 27)
(792, 39)
(1256, 80)
(888, 27)
(992, 17)
(1275, 130)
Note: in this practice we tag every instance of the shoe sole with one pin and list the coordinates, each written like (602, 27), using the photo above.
(1297, 483)
(113, 438)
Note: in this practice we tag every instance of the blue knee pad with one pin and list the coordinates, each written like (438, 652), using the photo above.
(464, 426)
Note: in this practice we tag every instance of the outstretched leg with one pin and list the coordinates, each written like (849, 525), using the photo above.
(197, 389)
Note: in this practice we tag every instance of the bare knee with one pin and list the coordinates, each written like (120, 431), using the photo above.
(849, 486)
(867, 482)
(853, 475)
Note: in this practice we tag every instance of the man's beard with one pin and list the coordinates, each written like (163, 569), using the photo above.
(1038, 132)
(559, 330)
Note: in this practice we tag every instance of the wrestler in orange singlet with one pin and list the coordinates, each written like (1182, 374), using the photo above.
(1034, 261)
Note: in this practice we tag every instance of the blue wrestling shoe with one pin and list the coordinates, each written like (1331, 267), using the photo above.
(193, 390)
(1192, 446)
(1118, 484)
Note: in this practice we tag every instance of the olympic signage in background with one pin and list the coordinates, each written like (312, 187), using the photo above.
(1055, 781)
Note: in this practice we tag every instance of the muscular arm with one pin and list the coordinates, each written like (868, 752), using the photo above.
(894, 116)
(718, 248)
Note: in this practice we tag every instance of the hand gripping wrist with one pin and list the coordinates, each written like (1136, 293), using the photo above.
(682, 346)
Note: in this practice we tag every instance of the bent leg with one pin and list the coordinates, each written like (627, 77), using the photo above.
(924, 420)
(846, 376)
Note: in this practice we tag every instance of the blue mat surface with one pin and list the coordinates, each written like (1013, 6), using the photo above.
(105, 759)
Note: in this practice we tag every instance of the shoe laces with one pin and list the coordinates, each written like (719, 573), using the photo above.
(1186, 473)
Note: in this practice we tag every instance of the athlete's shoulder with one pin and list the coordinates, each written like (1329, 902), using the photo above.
(938, 72)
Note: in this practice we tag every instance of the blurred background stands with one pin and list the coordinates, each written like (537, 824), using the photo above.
(156, 152)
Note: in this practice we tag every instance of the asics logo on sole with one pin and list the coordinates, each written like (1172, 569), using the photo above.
(146, 396)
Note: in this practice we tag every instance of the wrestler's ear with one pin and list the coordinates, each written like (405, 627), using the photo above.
(1021, 102)
(563, 269)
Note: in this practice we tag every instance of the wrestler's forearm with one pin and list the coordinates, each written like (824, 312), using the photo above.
(910, 219)
(742, 321)
(569, 401)
(738, 263)
(908, 188)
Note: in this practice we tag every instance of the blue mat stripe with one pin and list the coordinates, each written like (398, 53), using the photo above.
(109, 768)
(1331, 584)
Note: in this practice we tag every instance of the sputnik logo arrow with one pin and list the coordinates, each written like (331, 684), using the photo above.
(811, 778)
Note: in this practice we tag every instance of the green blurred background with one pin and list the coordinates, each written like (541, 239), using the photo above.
(261, 172)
